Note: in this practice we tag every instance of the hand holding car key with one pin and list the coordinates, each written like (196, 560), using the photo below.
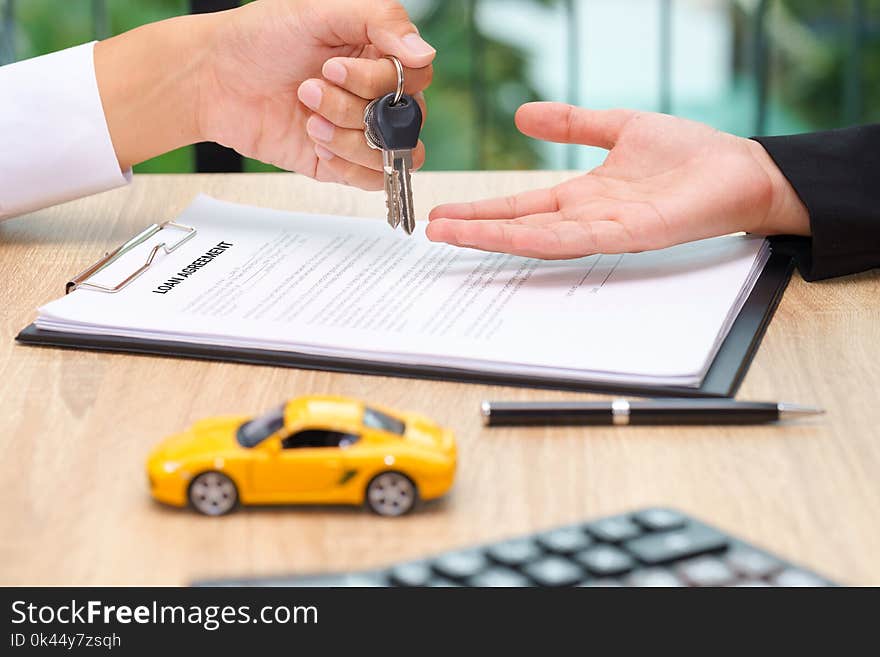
(392, 124)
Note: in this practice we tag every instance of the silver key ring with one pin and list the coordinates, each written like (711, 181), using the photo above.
(372, 139)
(399, 68)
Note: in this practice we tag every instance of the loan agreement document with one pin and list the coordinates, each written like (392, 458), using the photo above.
(352, 288)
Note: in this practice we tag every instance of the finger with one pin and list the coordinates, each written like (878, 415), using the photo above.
(343, 142)
(572, 125)
(325, 174)
(506, 207)
(373, 78)
(383, 23)
(347, 172)
(420, 99)
(351, 145)
(338, 106)
(557, 240)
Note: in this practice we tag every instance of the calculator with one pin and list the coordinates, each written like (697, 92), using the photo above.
(649, 547)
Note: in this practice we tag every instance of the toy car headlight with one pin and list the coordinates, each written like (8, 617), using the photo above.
(170, 466)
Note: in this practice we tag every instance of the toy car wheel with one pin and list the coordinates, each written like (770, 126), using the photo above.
(391, 494)
(213, 493)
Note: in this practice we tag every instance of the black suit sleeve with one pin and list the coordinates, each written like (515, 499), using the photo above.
(837, 176)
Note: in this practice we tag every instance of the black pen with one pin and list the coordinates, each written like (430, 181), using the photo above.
(622, 412)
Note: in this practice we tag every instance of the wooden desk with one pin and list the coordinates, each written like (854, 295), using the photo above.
(75, 427)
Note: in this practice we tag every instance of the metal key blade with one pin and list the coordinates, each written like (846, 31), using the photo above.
(392, 190)
(392, 124)
(402, 163)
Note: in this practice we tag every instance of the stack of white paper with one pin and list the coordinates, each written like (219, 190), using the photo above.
(352, 288)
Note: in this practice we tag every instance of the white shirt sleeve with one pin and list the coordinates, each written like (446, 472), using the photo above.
(54, 142)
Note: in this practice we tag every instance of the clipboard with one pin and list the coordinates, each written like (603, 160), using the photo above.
(723, 378)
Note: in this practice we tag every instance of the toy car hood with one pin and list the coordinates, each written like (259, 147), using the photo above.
(205, 437)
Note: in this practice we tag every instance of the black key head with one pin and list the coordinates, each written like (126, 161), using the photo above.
(397, 126)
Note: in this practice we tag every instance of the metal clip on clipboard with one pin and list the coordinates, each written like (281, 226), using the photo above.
(81, 279)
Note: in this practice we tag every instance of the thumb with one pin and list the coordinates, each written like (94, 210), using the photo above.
(388, 27)
(572, 125)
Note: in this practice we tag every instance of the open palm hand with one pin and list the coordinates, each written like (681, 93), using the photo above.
(665, 181)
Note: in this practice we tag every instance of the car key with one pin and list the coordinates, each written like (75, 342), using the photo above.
(394, 127)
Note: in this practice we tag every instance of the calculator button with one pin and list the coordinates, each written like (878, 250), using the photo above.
(653, 577)
(498, 577)
(670, 546)
(706, 571)
(750, 583)
(554, 571)
(515, 552)
(416, 573)
(604, 582)
(793, 577)
(605, 560)
(329, 581)
(752, 563)
(367, 580)
(459, 565)
(441, 582)
(660, 519)
(565, 541)
(614, 530)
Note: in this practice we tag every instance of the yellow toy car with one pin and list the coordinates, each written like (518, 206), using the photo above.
(319, 449)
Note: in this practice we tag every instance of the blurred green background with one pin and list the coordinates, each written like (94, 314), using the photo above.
(745, 66)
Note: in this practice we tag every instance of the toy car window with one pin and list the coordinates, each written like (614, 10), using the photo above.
(252, 433)
(379, 420)
(318, 438)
